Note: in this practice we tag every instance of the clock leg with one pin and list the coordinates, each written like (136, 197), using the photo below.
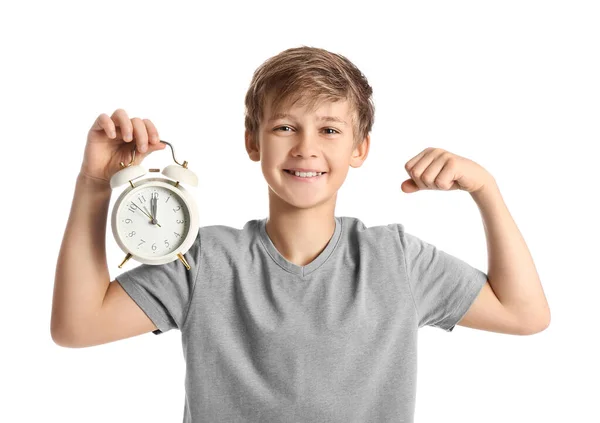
(185, 263)
(127, 257)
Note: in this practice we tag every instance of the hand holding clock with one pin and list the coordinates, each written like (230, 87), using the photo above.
(108, 144)
(106, 152)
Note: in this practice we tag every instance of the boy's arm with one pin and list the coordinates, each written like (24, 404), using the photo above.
(82, 278)
(519, 297)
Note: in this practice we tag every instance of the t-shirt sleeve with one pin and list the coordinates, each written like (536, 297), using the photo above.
(443, 286)
(164, 291)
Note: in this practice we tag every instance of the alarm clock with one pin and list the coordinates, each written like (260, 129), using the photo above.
(155, 220)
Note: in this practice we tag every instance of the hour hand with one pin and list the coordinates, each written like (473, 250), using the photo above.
(153, 204)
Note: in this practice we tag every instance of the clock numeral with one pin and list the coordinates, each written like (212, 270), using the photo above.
(154, 247)
(128, 220)
(132, 233)
(177, 209)
(132, 208)
(180, 221)
(167, 198)
(177, 234)
(143, 199)
(166, 243)
(141, 242)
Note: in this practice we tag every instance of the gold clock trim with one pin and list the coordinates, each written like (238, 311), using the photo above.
(185, 263)
(127, 257)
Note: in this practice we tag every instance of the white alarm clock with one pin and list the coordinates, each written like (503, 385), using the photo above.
(155, 220)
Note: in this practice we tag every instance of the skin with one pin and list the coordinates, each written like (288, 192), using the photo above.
(88, 310)
(513, 300)
(301, 215)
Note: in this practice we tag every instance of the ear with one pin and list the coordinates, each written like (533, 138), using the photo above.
(251, 147)
(360, 153)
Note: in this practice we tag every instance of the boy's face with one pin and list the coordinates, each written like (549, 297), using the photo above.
(302, 140)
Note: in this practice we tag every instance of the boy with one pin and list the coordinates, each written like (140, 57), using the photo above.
(304, 315)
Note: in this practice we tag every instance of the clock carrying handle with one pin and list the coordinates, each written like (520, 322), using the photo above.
(184, 164)
(131, 171)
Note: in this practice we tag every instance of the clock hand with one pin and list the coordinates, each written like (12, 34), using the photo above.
(156, 208)
(144, 212)
(153, 201)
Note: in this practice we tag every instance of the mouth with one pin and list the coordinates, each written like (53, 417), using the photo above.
(293, 173)
(315, 176)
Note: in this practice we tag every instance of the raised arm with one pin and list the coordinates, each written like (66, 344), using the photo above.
(81, 279)
(80, 314)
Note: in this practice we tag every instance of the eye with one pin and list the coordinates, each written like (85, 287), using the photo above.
(325, 129)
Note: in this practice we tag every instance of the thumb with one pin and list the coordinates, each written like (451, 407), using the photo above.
(409, 186)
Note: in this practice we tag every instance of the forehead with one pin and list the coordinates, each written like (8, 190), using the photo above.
(325, 110)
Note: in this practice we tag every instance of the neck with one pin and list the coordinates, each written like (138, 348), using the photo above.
(300, 235)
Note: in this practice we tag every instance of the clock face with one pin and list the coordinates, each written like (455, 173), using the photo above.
(153, 221)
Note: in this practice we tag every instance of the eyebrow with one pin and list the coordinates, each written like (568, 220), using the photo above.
(276, 116)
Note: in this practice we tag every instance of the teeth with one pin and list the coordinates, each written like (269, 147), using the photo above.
(306, 174)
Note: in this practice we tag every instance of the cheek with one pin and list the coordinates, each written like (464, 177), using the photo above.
(340, 169)
(270, 169)
(268, 163)
(339, 173)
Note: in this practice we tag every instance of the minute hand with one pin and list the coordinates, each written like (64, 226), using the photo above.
(144, 212)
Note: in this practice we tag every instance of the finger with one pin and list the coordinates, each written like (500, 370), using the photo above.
(447, 176)
(154, 138)
(104, 123)
(417, 169)
(411, 163)
(431, 176)
(152, 132)
(140, 135)
(409, 186)
(122, 122)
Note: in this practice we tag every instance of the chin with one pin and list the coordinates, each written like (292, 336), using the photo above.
(301, 201)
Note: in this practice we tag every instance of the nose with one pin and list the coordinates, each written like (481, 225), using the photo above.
(306, 145)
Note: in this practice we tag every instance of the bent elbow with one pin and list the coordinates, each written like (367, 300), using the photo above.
(539, 325)
(63, 339)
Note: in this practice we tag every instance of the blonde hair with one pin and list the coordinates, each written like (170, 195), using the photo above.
(312, 75)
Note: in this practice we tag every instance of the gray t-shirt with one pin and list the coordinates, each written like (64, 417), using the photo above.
(266, 340)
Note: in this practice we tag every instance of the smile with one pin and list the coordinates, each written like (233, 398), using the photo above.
(305, 178)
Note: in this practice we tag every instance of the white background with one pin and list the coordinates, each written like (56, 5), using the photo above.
(512, 85)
